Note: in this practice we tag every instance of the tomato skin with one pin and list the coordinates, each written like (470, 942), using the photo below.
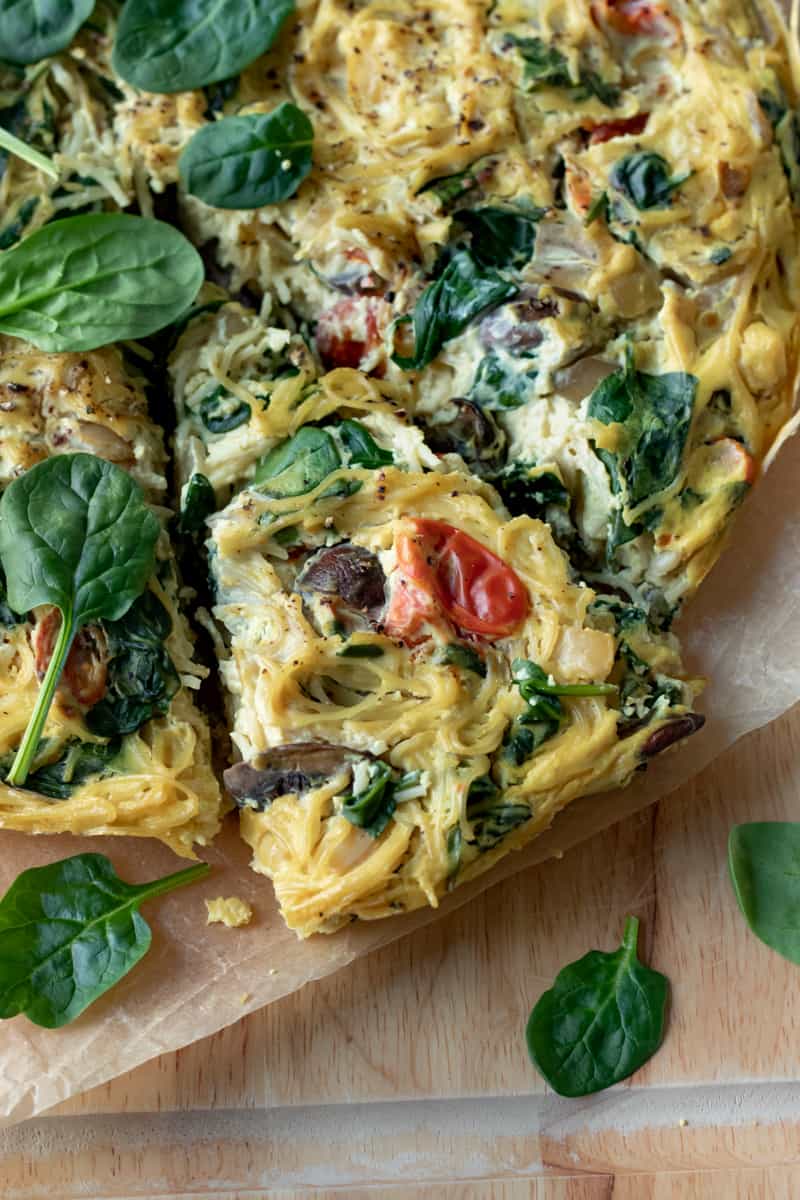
(337, 342)
(607, 130)
(636, 18)
(474, 588)
(85, 673)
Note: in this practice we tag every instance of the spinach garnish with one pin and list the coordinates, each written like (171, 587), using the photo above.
(297, 465)
(197, 503)
(602, 1019)
(179, 45)
(544, 714)
(371, 809)
(763, 859)
(644, 179)
(84, 282)
(75, 532)
(545, 66)
(221, 412)
(70, 931)
(497, 386)
(78, 763)
(30, 31)
(249, 161)
(141, 675)
(461, 292)
(501, 237)
(492, 818)
(456, 654)
(361, 447)
(655, 412)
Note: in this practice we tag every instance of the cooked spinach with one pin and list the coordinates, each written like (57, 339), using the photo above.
(361, 447)
(497, 386)
(249, 161)
(30, 31)
(455, 844)
(197, 503)
(545, 66)
(774, 105)
(598, 208)
(533, 683)
(491, 817)
(75, 532)
(602, 1019)
(501, 237)
(360, 650)
(644, 179)
(544, 714)
(10, 234)
(530, 492)
(79, 762)
(764, 862)
(461, 292)
(720, 255)
(787, 135)
(619, 531)
(450, 188)
(142, 678)
(456, 654)
(299, 464)
(218, 95)
(221, 412)
(83, 282)
(31, 121)
(70, 931)
(371, 809)
(655, 413)
(179, 45)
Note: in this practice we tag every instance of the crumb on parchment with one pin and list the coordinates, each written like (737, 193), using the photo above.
(230, 911)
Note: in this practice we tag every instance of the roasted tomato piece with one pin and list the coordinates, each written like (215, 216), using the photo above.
(86, 669)
(351, 331)
(607, 130)
(637, 18)
(472, 587)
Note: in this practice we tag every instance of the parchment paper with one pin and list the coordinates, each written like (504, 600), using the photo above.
(742, 632)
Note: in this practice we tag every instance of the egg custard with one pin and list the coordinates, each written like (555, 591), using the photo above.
(464, 417)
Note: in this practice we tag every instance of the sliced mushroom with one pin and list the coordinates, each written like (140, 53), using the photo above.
(295, 767)
(517, 327)
(473, 433)
(674, 731)
(348, 577)
(580, 378)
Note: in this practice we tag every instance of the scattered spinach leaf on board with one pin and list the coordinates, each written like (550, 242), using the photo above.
(644, 179)
(70, 931)
(545, 66)
(461, 292)
(179, 45)
(83, 282)
(32, 31)
(497, 386)
(764, 862)
(361, 446)
(75, 532)
(602, 1019)
(249, 161)
(501, 237)
(297, 465)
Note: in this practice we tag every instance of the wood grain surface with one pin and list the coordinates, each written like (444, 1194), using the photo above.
(406, 1075)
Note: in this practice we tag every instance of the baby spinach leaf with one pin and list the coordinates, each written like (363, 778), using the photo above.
(84, 282)
(456, 654)
(498, 386)
(362, 448)
(249, 161)
(297, 465)
(75, 532)
(656, 414)
(197, 503)
(221, 412)
(602, 1019)
(492, 817)
(644, 179)
(501, 237)
(545, 66)
(7, 616)
(31, 31)
(70, 931)
(764, 862)
(80, 762)
(463, 290)
(179, 45)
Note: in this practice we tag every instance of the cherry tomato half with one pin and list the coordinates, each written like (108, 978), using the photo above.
(86, 669)
(474, 588)
(607, 130)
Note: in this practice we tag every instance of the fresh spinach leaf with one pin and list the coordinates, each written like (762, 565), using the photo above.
(221, 412)
(249, 161)
(655, 412)
(497, 386)
(142, 678)
(297, 465)
(84, 282)
(545, 66)
(80, 762)
(362, 448)
(602, 1019)
(197, 503)
(70, 931)
(179, 45)
(644, 179)
(75, 532)
(764, 862)
(492, 818)
(462, 291)
(7, 616)
(501, 237)
(31, 30)
(456, 654)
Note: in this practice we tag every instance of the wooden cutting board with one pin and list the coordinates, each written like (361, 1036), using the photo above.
(406, 1075)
